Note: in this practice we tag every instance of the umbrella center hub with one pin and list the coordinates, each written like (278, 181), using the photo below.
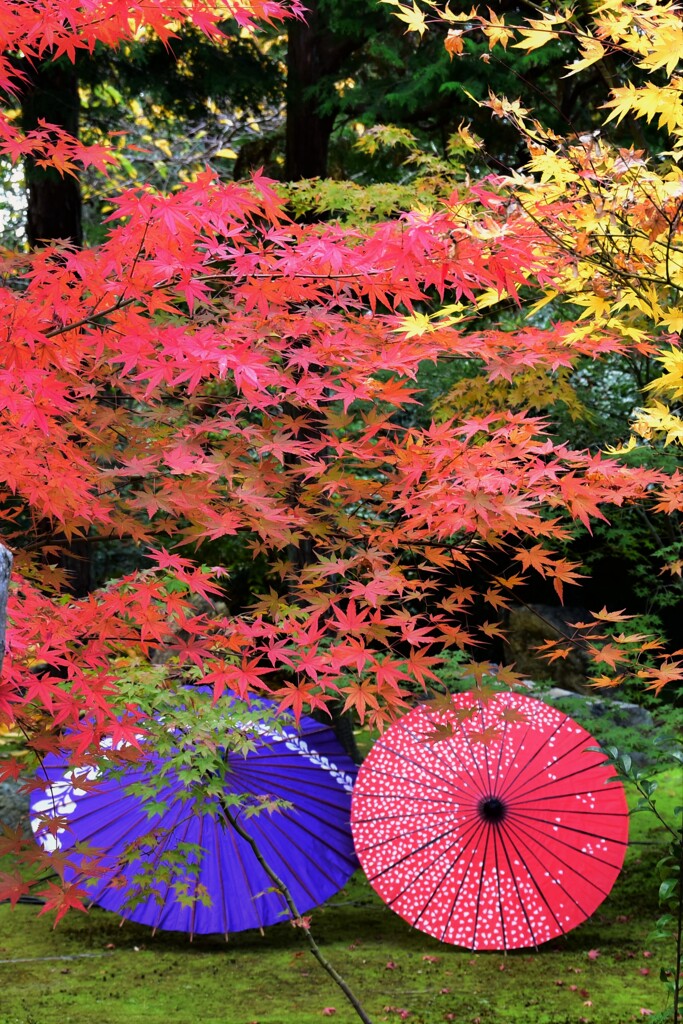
(492, 809)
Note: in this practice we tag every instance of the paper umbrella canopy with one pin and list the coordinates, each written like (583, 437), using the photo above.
(487, 822)
(308, 845)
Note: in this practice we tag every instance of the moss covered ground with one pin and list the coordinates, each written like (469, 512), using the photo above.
(605, 972)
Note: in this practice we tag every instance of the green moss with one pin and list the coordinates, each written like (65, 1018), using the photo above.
(132, 977)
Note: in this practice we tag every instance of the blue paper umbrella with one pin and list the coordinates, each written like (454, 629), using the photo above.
(308, 844)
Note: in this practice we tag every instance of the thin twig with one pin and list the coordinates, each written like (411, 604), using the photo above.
(296, 916)
(74, 324)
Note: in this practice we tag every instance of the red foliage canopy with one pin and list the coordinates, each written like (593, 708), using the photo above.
(213, 369)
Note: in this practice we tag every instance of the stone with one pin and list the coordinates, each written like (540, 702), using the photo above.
(529, 626)
(14, 806)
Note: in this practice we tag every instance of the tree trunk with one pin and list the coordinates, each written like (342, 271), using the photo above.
(313, 53)
(5, 571)
(54, 200)
(308, 131)
(54, 213)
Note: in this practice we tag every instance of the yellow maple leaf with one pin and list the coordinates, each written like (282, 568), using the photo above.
(467, 140)
(658, 419)
(673, 320)
(413, 17)
(496, 31)
(591, 51)
(622, 449)
(595, 305)
(547, 297)
(648, 101)
(671, 381)
(539, 33)
(665, 47)
(414, 326)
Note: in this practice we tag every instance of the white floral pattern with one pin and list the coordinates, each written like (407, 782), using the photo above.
(61, 796)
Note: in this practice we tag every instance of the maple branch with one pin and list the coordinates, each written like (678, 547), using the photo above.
(75, 324)
(284, 891)
(565, 636)
(673, 224)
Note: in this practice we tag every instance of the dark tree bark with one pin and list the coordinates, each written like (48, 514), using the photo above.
(50, 94)
(5, 571)
(313, 54)
(54, 200)
(75, 558)
(308, 131)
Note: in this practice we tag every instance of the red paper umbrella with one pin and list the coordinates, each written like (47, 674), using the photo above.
(488, 823)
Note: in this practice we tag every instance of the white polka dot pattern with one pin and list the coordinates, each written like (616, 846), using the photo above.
(489, 824)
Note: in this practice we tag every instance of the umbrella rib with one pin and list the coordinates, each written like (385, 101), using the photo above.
(104, 886)
(477, 909)
(511, 830)
(469, 743)
(446, 783)
(392, 839)
(532, 821)
(288, 768)
(527, 810)
(302, 849)
(167, 902)
(513, 876)
(418, 849)
(530, 825)
(565, 864)
(410, 761)
(251, 776)
(440, 796)
(522, 781)
(289, 841)
(491, 780)
(202, 863)
(253, 897)
(449, 918)
(112, 801)
(403, 816)
(502, 793)
(426, 868)
(553, 783)
(295, 796)
(132, 830)
(460, 797)
(527, 768)
(421, 741)
(463, 732)
(324, 763)
(496, 839)
(225, 908)
(307, 855)
(500, 780)
(313, 814)
(557, 881)
(505, 794)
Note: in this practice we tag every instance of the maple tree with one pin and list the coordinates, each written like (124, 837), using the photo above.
(611, 217)
(610, 213)
(215, 369)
